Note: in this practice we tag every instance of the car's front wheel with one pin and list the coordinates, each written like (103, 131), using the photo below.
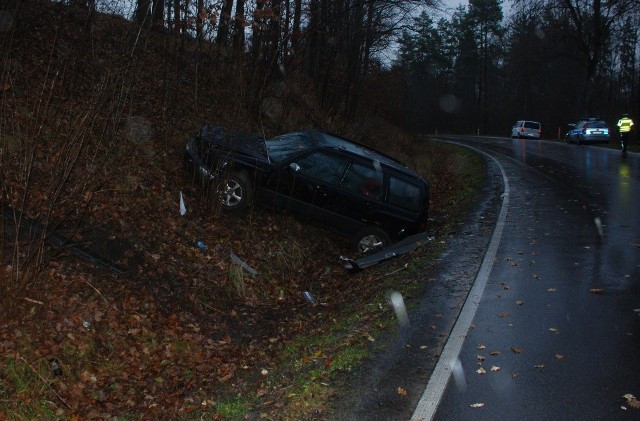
(370, 239)
(235, 191)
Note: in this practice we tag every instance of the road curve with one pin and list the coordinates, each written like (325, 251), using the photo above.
(556, 335)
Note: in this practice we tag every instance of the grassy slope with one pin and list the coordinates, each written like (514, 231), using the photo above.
(94, 119)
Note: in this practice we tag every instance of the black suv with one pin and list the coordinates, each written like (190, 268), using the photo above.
(342, 185)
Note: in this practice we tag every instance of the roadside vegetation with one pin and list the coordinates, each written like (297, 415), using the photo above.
(91, 141)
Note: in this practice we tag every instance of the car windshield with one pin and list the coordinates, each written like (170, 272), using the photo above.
(597, 125)
(282, 147)
(531, 125)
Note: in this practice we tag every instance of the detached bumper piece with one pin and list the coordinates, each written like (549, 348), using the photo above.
(395, 250)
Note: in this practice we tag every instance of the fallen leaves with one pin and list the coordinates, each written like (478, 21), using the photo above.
(517, 350)
(402, 391)
(476, 405)
(596, 290)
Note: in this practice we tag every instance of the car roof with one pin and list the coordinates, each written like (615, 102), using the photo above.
(591, 120)
(358, 149)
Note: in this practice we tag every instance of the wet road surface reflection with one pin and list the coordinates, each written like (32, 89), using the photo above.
(557, 332)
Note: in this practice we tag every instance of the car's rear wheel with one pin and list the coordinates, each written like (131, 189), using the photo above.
(235, 191)
(370, 239)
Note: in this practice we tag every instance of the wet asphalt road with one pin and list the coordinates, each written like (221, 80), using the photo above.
(556, 322)
(557, 329)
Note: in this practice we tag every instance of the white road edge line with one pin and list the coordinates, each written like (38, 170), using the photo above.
(428, 403)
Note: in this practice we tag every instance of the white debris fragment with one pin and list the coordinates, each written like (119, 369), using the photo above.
(398, 306)
(242, 264)
(598, 223)
(183, 209)
(458, 375)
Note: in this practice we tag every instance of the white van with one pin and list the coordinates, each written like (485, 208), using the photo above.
(526, 129)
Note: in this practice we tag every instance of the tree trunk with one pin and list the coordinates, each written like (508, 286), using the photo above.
(238, 29)
(223, 27)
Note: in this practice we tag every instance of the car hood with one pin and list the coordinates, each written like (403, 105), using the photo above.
(214, 136)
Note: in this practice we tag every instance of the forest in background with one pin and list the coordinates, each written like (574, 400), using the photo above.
(472, 71)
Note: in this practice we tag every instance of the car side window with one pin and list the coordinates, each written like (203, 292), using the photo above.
(323, 167)
(404, 194)
(364, 181)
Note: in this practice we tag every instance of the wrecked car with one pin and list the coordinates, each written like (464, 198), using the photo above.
(342, 185)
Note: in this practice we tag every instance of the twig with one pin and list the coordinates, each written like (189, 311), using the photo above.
(99, 293)
(406, 265)
(208, 306)
(47, 383)
(33, 301)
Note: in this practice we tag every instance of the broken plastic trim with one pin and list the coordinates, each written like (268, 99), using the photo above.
(242, 264)
(395, 250)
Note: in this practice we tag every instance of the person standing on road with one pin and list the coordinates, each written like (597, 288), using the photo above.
(624, 127)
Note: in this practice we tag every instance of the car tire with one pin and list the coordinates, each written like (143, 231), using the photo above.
(370, 239)
(235, 191)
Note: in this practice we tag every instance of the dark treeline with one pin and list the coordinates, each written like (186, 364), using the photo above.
(331, 47)
(475, 71)
(551, 61)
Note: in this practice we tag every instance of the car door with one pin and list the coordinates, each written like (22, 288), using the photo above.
(307, 183)
(372, 196)
(360, 196)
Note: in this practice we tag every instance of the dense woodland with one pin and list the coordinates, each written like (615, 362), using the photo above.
(471, 69)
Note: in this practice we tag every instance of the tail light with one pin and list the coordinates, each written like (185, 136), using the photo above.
(522, 129)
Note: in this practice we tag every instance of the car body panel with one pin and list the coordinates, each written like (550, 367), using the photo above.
(588, 131)
(526, 129)
(339, 184)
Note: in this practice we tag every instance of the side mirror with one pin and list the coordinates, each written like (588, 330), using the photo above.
(294, 167)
